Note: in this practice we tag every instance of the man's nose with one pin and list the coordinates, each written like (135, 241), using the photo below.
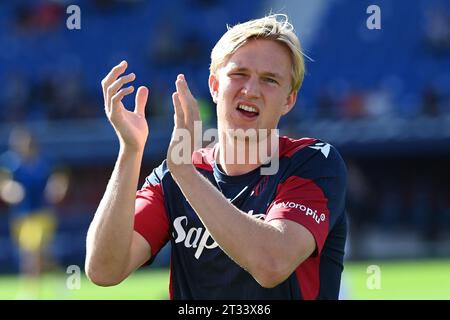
(251, 88)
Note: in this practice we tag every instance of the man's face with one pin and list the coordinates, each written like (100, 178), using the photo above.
(253, 88)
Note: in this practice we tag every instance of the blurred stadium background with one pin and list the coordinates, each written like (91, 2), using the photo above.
(382, 97)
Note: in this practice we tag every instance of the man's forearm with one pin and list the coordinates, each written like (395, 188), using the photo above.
(246, 240)
(110, 233)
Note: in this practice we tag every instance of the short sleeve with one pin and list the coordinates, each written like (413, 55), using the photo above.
(150, 219)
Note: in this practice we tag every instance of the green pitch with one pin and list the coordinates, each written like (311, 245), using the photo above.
(363, 280)
(428, 279)
(152, 284)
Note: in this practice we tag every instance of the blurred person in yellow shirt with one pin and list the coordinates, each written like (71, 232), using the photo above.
(30, 186)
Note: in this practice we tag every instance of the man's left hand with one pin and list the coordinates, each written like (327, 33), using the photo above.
(184, 140)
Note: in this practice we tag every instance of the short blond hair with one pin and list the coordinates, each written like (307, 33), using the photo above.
(274, 27)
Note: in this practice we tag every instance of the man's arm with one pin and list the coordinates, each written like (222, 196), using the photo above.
(269, 251)
(113, 249)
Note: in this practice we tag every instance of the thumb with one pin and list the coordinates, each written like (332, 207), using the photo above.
(141, 100)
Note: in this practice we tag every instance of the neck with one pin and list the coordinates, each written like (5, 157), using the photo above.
(240, 155)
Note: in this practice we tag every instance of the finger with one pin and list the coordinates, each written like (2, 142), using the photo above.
(183, 88)
(187, 100)
(116, 85)
(112, 76)
(184, 96)
(179, 114)
(117, 98)
(141, 100)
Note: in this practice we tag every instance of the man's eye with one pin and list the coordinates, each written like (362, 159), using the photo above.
(238, 74)
(270, 80)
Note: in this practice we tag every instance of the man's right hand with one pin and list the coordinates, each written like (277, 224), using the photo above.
(131, 127)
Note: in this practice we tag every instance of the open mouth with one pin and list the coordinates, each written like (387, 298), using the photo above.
(248, 111)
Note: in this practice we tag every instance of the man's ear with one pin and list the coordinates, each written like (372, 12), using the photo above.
(290, 102)
(213, 87)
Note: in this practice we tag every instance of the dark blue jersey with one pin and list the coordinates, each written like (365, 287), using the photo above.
(308, 188)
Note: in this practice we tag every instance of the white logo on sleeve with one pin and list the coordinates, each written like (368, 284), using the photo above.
(318, 218)
(323, 147)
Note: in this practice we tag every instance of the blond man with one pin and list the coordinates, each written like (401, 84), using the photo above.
(236, 232)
